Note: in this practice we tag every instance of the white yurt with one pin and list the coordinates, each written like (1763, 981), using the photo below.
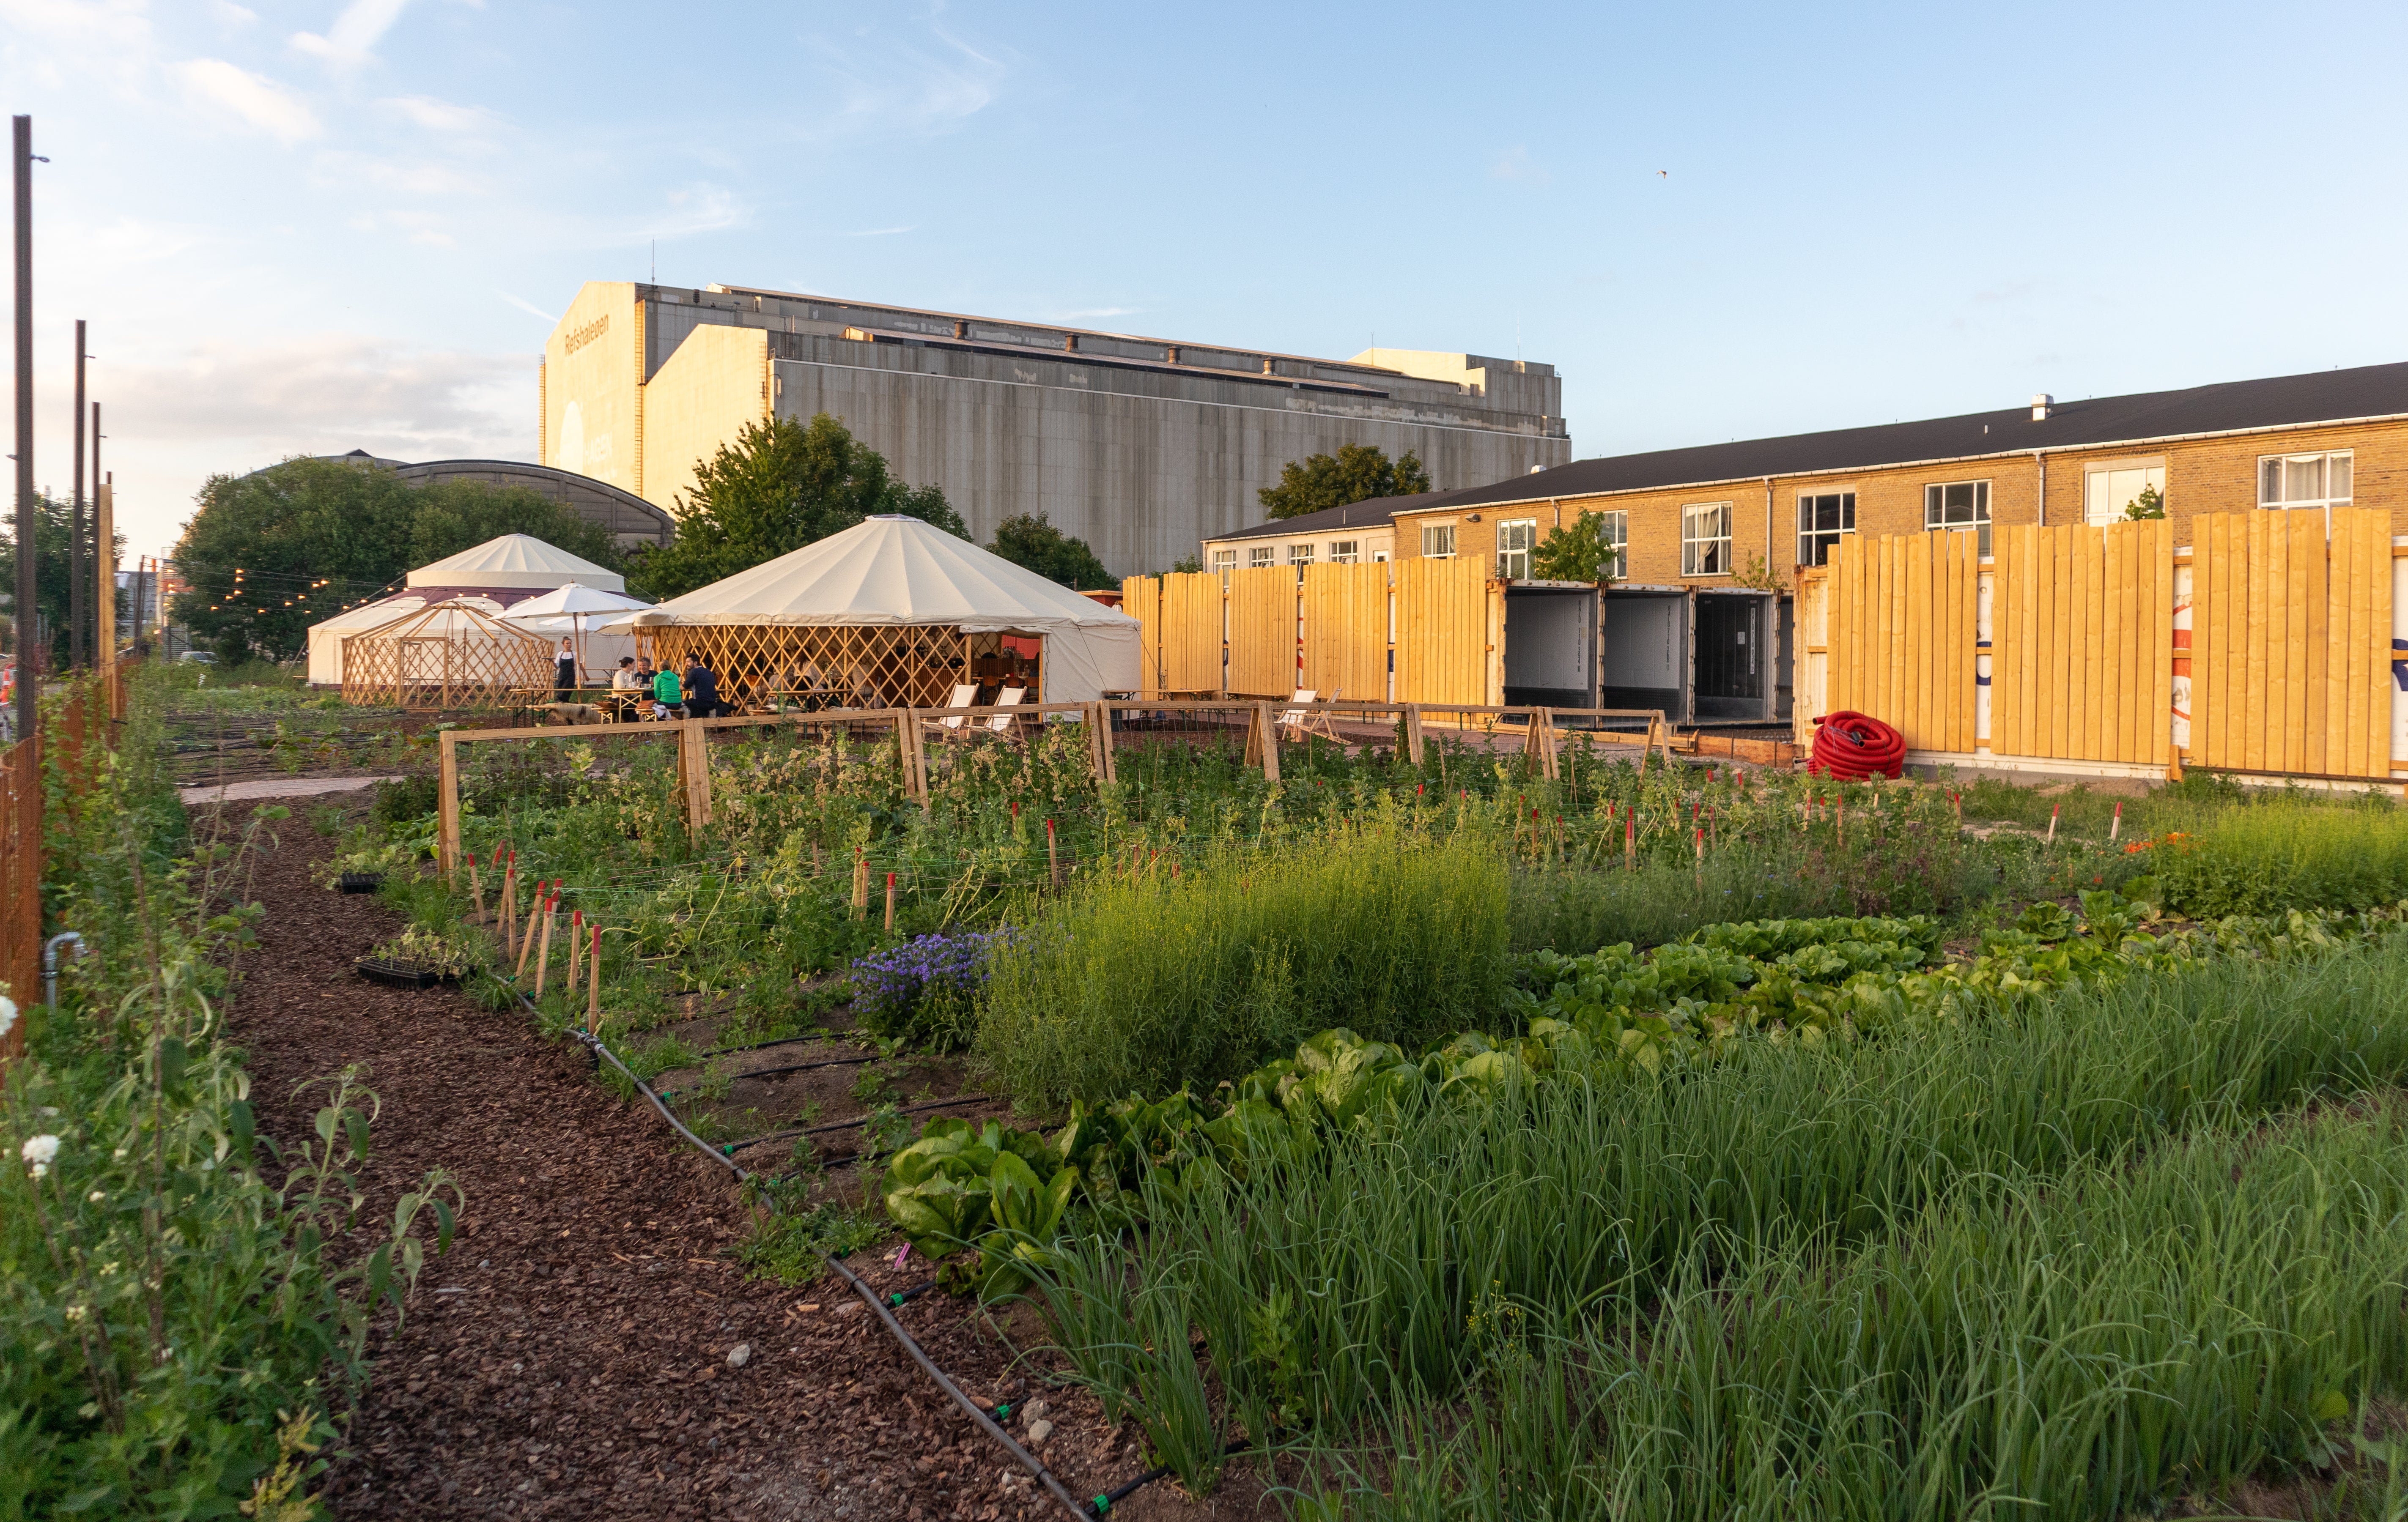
(894, 612)
(490, 577)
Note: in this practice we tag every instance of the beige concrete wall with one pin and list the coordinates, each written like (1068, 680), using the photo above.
(717, 380)
(592, 388)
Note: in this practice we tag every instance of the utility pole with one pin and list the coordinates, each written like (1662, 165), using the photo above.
(78, 653)
(28, 697)
(103, 557)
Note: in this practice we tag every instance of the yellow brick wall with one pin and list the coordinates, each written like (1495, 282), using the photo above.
(2203, 475)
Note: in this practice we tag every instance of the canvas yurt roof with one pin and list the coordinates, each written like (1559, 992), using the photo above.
(515, 560)
(893, 570)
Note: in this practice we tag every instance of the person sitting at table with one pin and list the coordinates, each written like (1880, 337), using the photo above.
(702, 689)
(669, 695)
(624, 683)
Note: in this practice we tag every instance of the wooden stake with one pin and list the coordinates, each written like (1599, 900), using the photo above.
(1842, 818)
(860, 884)
(1630, 840)
(476, 889)
(890, 903)
(594, 983)
(526, 943)
(576, 947)
(1052, 854)
(2052, 823)
(543, 957)
(2116, 826)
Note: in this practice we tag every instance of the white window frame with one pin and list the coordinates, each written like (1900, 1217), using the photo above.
(1936, 510)
(1513, 561)
(1705, 554)
(1617, 534)
(1259, 556)
(1379, 557)
(1225, 561)
(2280, 465)
(1437, 541)
(2152, 472)
(1812, 548)
(1344, 551)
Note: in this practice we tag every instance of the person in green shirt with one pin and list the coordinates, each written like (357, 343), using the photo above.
(667, 693)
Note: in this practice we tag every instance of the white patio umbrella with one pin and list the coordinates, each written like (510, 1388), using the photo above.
(568, 611)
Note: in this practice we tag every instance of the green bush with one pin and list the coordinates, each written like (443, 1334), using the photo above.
(407, 799)
(2287, 853)
(1145, 982)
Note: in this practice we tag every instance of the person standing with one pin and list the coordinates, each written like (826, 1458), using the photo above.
(701, 688)
(564, 672)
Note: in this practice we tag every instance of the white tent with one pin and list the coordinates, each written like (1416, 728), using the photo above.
(578, 611)
(326, 638)
(514, 559)
(894, 572)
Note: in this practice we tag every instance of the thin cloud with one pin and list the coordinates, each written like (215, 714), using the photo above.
(228, 14)
(879, 232)
(913, 86)
(443, 115)
(529, 307)
(1516, 164)
(349, 42)
(252, 99)
(117, 23)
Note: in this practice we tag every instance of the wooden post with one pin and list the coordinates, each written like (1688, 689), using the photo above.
(576, 947)
(476, 888)
(593, 982)
(1100, 715)
(915, 758)
(693, 770)
(1414, 733)
(447, 805)
(860, 884)
(1052, 854)
(510, 904)
(543, 955)
(526, 942)
(890, 903)
(1264, 725)
(104, 571)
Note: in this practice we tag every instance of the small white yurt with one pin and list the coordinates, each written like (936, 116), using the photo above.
(490, 577)
(894, 612)
(577, 612)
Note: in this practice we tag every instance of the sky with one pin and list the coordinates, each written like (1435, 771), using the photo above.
(313, 226)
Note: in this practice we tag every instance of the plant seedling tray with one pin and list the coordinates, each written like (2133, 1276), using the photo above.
(399, 975)
(359, 882)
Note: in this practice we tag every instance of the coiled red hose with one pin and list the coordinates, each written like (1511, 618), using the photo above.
(1856, 745)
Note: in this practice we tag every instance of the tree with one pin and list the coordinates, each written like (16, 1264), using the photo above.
(2150, 504)
(1578, 553)
(1025, 539)
(1357, 473)
(270, 553)
(782, 485)
(53, 572)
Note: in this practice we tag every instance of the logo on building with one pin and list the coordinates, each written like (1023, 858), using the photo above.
(579, 337)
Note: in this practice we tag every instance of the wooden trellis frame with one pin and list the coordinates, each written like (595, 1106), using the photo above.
(863, 665)
(446, 653)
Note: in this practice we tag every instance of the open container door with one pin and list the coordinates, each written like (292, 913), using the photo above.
(1550, 629)
(1736, 678)
(1644, 657)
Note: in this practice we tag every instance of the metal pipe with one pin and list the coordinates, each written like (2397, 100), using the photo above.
(50, 964)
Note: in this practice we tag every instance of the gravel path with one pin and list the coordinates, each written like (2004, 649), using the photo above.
(569, 1358)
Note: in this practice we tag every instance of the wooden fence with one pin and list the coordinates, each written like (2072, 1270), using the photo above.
(1404, 631)
(2266, 648)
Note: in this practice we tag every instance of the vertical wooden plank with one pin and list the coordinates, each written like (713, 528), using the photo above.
(2031, 713)
(2294, 593)
(2207, 636)
(2006, 604)
(2310, 555)
(2376, 525)
(2160, 748)
(2354, 675)
(2110, 692)
(2256, 690)
(2081, 596)
(447, 805)
(1916, 644)
(2060, 680)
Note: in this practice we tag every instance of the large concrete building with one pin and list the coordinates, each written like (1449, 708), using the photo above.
(1141, 446)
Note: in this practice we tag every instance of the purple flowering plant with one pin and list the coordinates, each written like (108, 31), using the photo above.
(926, 988)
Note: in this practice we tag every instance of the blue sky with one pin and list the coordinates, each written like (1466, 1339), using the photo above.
(303, 227)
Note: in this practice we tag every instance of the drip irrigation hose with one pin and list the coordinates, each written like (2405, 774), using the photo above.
(597, 1045)
(771, 1073)
(849, 1125)
(1028, 1460)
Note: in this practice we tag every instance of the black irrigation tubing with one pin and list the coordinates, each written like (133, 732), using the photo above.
(1028, 1460)
(869, 1295)
(849, 1125)
(771, 1073)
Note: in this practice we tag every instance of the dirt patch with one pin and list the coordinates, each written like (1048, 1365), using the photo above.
(569, 1357)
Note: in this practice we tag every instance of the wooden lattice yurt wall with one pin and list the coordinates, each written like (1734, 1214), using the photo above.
(910, 666)
(445, 656)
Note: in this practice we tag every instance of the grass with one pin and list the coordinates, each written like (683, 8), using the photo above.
(2267, 855)
(1146, 982)
(1598, 1198)
(2078, 1345)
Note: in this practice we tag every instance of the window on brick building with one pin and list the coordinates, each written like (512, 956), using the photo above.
(2306, 480)
(1617, 534)
(1515, 538)
(2108, 491)
(1957, 507)
(1822, 518)
(1705, 539)
(1437, 541)
(1343, 552)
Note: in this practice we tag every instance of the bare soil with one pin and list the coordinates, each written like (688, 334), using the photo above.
(569, 1357)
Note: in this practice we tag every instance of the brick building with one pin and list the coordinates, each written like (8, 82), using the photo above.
(1753, 511)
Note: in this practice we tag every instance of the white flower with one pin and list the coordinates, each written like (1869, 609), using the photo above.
(39, 1150)
(77, 1313)
(8, 1013)
(96, 1196)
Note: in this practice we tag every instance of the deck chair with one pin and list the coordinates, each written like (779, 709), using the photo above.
(1299, 722)
(1007, 725)
(965, 696)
